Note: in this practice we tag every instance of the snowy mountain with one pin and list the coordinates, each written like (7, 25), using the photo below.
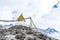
(50, 30)
(52, 33)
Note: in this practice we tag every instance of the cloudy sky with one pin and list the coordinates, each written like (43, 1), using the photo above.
(41, 11)
(28, 7)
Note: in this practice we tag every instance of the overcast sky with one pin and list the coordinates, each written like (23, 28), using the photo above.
(28, 7)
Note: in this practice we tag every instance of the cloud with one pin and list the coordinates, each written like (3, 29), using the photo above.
(53, 18)
(28, 7)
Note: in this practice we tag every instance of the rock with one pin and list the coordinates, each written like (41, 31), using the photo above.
(20, 36)
(22, 32)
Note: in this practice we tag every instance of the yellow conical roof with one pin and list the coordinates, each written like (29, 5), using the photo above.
(21, 17)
